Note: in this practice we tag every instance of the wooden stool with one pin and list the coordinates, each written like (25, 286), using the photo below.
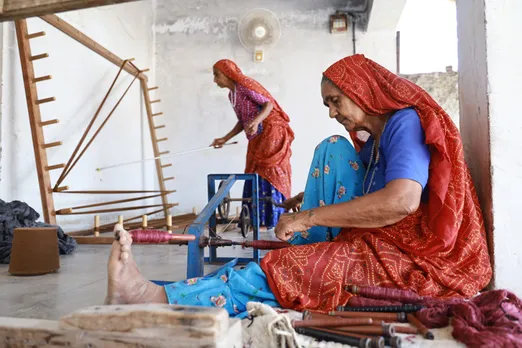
(34, 251)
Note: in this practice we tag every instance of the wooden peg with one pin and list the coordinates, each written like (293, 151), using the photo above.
(39, 56)
(164, 153)
(42, 78)
(169, 224)
(56, 166)
(170, 178)
(155, 101)
(162, 139)
(158, 114)
(144, 70)
(144, 222)
(237, 211)
(166, 165)
(153, 88)
(96, 225)
(120, 220)
(159, 127)
(48, 145)
(35, 35)
(47, 123)
(46, 100)
(131, 59)
(59, 189)
(64, 211)
(194, 211)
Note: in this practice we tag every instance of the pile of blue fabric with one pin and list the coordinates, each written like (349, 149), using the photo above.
(19, 214)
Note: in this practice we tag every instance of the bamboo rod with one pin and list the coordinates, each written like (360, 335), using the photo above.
(158, 114)
(46, 100)
(47, 123)
(153, 88)
(112, 192)
(166, 165)
(155, 101)
(35, 35)
(56, 166)
(42, 78)
(96, 225)
(159, 127)
(120, 201)
(53, 144)
(39, 56)
(120, 209)
(169, 178)
(162, 139)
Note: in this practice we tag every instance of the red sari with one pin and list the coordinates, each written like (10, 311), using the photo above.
(438, 251)
(269, 153)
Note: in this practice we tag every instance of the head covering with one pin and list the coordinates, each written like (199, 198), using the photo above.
(452, 209)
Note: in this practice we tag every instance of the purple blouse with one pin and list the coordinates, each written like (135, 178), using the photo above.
(247, 104)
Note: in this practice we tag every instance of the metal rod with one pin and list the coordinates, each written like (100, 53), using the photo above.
(160, 157)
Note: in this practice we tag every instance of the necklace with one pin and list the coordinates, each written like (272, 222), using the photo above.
(366, 191)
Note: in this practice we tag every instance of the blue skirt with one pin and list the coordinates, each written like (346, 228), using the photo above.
(268, 213)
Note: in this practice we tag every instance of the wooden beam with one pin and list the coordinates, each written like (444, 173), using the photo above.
(19, 9)
(77, 35)
(35, 119)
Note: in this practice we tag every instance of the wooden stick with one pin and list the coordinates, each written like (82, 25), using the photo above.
(56, 166)
(159, 127)
(121, 201)
(169, 223)
(115, 192)
(332, 322)
(39, 56)
(145, 70)
(119, 209)
(96, 225)
(42, 78)
(35, 35)
(169, 178)
(144, 222)
(47, 123)
(158, 114)
(130, 59)
(120, 220)
(164, 153)
(155, 101)
(423, 330)
(53, 144)
(153, 88)
(64, 211)
(77, 35)
(162, 139)
(45, 100)
(60, 189)
(166, 165)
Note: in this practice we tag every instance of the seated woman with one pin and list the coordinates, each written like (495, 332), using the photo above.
(398, 211)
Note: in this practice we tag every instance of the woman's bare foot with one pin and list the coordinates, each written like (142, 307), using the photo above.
(126, 284)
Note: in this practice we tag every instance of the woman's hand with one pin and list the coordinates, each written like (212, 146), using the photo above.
(290, 223)
(293, 204)
(252, 128)
(218, 143)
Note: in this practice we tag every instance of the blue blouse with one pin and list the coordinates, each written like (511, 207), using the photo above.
(403, 152)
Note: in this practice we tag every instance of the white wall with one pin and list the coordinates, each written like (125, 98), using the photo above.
(80, 80)
(191, 36)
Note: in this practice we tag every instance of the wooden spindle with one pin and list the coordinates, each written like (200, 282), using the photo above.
(47, 123)
(169, 224)
(155, 101)
(153, 88)
(35, 35)
(56, 166)
(164, 153)
(159, 127)
(144, 222)
(166, 165)
(46, 100)
(162, 139)
(42, 78)
(169, 178)
(96, 225)
(158, 114)
(53, 144)
(39, 56)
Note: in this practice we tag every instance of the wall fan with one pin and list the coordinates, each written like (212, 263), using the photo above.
(259, 30)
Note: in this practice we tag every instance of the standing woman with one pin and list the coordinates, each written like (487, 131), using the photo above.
(269, 138)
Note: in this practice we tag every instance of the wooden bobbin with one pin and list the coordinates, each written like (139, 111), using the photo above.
(169, 224)
(96, 225)
(144, 224)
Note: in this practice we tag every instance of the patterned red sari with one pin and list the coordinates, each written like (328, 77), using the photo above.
(438, 251)
(268, 153)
